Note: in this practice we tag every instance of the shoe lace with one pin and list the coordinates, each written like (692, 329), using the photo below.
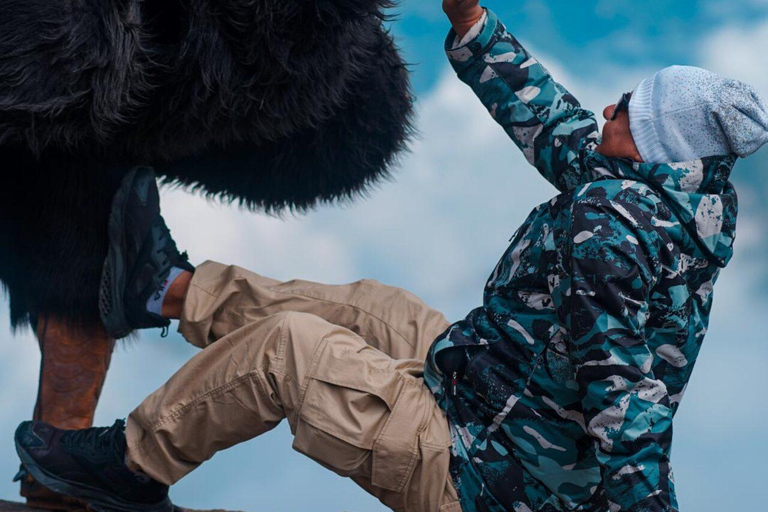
(162, 234)
(169, 248)
(97, 440)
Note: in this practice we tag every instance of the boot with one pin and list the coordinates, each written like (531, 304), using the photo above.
(89, 464)
(73, 366)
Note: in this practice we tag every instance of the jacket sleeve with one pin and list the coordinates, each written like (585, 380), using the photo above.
(609, 265)
(545, 121)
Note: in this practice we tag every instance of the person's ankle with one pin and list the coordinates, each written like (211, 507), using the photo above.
(173, 303)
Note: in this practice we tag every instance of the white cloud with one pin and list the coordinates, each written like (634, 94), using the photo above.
(738, 51)
(728, 9)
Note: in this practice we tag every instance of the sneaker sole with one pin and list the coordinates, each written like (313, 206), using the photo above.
(95, 498)
(113, 274)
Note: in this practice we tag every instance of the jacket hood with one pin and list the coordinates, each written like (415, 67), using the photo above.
(698, 192)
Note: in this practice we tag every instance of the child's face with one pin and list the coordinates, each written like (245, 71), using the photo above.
(617, 137)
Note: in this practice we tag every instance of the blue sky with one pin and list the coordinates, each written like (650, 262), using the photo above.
(439, 229)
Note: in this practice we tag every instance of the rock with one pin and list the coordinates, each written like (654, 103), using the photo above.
(9, 506)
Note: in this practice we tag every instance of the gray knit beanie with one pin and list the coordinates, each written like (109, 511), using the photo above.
(684, 113)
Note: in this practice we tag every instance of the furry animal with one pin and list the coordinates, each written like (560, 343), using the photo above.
(275, 104)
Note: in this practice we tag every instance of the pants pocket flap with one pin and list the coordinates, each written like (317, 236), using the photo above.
(396, 449)
(350, 392)
(361, 368)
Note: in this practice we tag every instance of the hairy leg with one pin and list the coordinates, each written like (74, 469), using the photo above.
(73, 366)
(173, 303)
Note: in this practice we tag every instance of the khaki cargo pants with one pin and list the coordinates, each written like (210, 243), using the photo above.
(343, 364)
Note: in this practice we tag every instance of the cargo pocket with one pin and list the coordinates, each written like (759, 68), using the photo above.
(396, 450)
(351, 391)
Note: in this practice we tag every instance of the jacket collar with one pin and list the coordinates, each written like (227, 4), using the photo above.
(698, 192)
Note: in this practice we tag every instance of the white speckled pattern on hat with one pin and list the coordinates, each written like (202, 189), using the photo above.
(684, 113)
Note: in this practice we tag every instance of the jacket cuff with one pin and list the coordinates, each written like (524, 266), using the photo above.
(463, 56)
(473, 32)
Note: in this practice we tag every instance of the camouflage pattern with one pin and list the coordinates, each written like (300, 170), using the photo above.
(561, 389)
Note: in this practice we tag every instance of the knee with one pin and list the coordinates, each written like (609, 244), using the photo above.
(379, 291)
(298, 340)
(296, 321)
(302, 329)
(272, 329)
(292, 334)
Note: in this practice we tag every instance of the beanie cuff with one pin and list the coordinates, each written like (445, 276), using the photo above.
(641, 124)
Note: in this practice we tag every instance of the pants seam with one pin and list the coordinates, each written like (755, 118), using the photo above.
(321, 347)
(200, 288)
(228, 386)
(281, 347)
(433, 446)
(216, 392)
(349, 304)
(139, 446)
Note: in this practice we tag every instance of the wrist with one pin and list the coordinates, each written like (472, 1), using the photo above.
(463, 22)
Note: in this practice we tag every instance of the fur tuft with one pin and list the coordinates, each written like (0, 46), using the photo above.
(330, 161)
(53, 234)
(71, 74)
(167, 81)
(273, 104)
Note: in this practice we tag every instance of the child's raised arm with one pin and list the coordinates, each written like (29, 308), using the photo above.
(538, 114)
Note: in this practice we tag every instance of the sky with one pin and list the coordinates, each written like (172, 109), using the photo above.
(438, 230)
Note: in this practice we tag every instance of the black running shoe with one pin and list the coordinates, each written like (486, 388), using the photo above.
(141, 255)
(89, 465)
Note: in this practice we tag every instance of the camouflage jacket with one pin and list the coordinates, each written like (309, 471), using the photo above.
(561, 389)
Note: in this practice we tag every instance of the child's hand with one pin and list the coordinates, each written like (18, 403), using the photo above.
(463, 14)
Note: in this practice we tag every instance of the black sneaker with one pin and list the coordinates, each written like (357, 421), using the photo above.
(141, 254)
(89, 465)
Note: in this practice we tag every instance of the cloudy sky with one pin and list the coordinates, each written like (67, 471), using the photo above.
(440, 227)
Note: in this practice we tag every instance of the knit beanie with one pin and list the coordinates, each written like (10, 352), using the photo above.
(684, 113)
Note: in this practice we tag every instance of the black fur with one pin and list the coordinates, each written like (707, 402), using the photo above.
(275, 104)
(54, 235)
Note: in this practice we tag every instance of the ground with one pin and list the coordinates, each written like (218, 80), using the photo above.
(8, 506)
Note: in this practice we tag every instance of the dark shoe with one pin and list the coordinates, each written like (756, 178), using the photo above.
(40, 497)
(141, 255)
(88, 465)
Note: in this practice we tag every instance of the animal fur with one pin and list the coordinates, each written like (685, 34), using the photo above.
(275, 104)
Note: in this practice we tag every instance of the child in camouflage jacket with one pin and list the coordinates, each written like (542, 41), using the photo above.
(561, 389)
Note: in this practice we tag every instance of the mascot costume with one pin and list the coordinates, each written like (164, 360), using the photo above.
(273, 104)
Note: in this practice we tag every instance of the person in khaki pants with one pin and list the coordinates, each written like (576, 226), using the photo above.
(343, 364)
